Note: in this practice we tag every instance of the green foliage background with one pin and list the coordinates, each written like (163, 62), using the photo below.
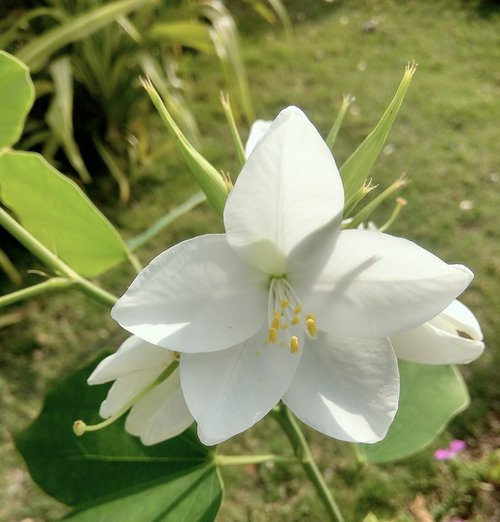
(445, 140)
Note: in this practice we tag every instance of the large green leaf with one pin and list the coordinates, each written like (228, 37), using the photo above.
(54, 210)
(110, 475)
(16, 98)
(430, 397)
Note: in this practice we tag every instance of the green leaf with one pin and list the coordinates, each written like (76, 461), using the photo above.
(192, 34)
(16, 98)
(38, 51)
(430, 397)
(194, 496)
(60, 114)
(358, 166)
(110, 475)
(54, 210)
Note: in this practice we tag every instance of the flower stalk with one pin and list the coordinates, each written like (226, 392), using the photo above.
(301, 449)
(47, 257)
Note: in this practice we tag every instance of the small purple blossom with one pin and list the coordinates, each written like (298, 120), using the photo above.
(456, 446)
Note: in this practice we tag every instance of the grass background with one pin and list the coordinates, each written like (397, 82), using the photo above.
(445, 140)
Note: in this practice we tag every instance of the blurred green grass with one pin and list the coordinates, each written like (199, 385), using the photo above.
(445, 140)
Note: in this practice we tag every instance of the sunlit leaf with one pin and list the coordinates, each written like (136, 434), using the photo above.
(58, 214)
(16, 98)
(108, 474)
(430, 397)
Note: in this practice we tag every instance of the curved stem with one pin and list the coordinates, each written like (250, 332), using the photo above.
(303, 454)
(47, 257)
(52, 284)
(239, 460)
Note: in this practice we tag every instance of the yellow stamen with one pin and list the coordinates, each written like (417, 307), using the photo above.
(284, 326)
(295, 320)
(297, 310)
(272, 336)
(294, 344)
(285, 303)
(311, 326)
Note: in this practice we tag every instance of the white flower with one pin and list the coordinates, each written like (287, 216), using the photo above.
(162, 412)
(285, 305)
(453, 337)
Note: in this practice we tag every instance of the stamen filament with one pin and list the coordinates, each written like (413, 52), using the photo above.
(80, 427)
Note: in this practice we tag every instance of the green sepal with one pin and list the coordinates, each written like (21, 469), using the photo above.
(357, 168)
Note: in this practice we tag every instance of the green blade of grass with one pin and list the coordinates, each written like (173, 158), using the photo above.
(60, 115)
(37, 52)
(166, 220)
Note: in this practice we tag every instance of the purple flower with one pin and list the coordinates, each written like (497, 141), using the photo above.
(456, 446)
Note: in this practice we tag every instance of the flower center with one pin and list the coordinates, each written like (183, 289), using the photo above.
(286, 316)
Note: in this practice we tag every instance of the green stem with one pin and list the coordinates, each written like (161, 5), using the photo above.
(55, 283)
(303, 453)
(239, 460)
(40, 251)
(95, 292)
(34, 246)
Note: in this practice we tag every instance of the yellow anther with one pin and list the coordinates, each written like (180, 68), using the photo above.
(294, 344)
(311, 327)
(176, 355)
(297, 310)
(272, 336)
(295, 320)
(283, 326)
(284, 303)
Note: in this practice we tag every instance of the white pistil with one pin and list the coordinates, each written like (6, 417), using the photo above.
(285, 315)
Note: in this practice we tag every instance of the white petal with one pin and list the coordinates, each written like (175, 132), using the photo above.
(375, 285)
(126, 388)
(133, 355)
(346, 388)
(161, 414)
(257, 131)
(228, 392)
(430, 345)
(462, 319)
(288, 188)
(197, 296)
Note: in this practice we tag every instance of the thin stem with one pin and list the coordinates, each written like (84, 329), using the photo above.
(34, 246)
(55, 283)
(239, 460)
(52, 261)
(95, 292)
(303, 453)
